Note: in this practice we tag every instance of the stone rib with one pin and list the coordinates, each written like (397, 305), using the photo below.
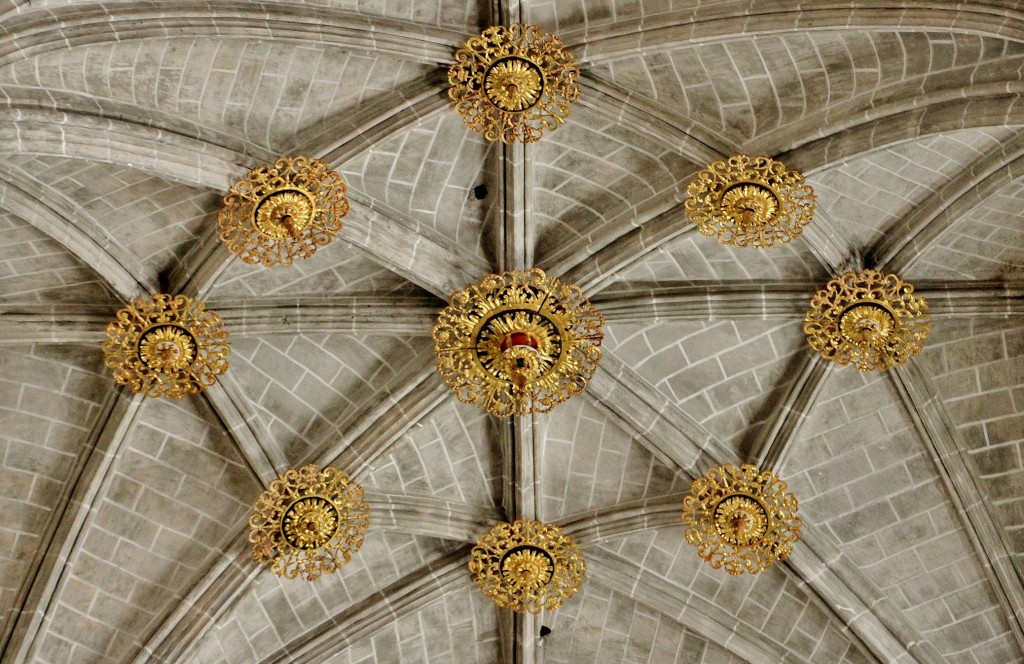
(599, 42)
(175, 157)
(681, 443)
(958, 474)
(403, 316)
(365, 618)
(376, 122)
(887, 126)
(221, 585)
(772, 450)
(420, 255)
(689, 137)
(245, 430)
(854, 599)
(38, 31)
(376, 431)
(685, 607)
(626, 302)
(623, 519)
(430, 517)
(899, 249)
(48, 212)
(383, 422)
(666, 301)
(62, 539)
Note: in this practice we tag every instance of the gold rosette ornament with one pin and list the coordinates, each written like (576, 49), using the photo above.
(868, 319)
(511, 84)
(750, 202)
(308, 523)
(166, 346)
(282, 212)
(518, 342)
(527, 565)
(741, 519)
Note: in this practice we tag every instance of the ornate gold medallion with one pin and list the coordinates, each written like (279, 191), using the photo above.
(518, 342)
(741, 519)
(527, 569)
(167, 346)
(282, 212)
(309, 522)
(511, 84)
(750, 206)
(527, 565)
(867, 324)
(868, 319)
(750, 202)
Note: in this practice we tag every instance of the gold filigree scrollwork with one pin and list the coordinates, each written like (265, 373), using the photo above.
(167, 346)
(518, 342)
(513, 83)
(527, 565)
(750, 202)
(869, 319)
(741, 519)
(308, 523)
(282, 212)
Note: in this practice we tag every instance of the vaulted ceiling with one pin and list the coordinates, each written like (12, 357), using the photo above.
(123, 527)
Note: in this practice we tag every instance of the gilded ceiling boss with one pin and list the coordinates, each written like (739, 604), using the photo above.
(518, 342)
(278, 213)
(309, 522)
(513, 83)
(868, 319)
(166, 346)
(750, 202)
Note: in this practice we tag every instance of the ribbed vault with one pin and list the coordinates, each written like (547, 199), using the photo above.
(123, 529)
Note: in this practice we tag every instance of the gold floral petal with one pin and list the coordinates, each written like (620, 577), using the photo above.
(310, 523)
(741, 520)
(527, 569)
(284, 213)
(167, 348)
(513, 84)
